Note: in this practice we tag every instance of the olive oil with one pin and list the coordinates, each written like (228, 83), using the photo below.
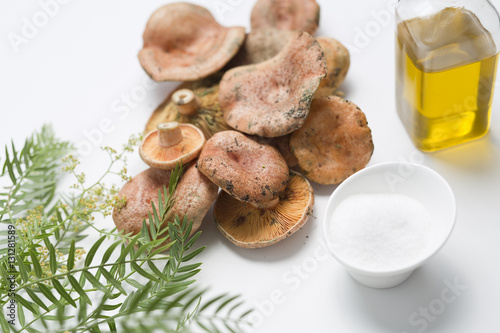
(445, 75)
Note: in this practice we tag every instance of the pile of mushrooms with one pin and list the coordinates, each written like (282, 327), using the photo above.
(162, 149)
(267, 103)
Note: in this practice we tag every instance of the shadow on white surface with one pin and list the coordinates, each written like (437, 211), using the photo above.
(276, 252)
(288, 247)
(209, 233)
(479, 155)
(161, 91)
(322, 190)
(346, 87)
(426, 302)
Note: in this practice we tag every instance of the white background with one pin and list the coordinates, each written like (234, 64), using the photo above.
(79, 68)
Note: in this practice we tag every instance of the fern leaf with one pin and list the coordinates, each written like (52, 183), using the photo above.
(93, 250)
(3, 322)
(95, 282)
(28, 305)
(36, 299)
(47, 293)
(64, 294)
(112, 280)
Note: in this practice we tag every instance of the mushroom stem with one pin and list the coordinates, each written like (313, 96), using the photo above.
(186, 101)
(169, 134)
(267, 204)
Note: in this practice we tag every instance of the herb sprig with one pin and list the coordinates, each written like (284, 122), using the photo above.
(123, 283)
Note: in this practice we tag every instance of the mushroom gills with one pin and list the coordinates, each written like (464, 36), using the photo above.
(171, 143)
(253, 226)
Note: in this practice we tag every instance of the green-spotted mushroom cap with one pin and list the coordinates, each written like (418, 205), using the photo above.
(254, 226)
(337, 63)
(183, 42)
(273, 98)
(286, 15)
(170, 144)
(334, 142)
(194, 196)
(260, 45)
(247, 170)
(196, 103)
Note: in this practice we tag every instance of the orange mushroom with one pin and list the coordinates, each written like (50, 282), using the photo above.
(334, 142)
(256, 225)
(260, 45)
(282, 143)
(247, 170)
(194, 196)
(273, 98)
(286, 14)
(170, 144)
(337, 62)
(183, 42)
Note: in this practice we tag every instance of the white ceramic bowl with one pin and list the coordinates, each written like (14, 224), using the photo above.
(413, 180)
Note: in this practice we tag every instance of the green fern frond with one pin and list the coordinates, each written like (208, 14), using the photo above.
(123, 281)
(33, 172)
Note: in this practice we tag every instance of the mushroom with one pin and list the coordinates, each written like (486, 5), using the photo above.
(337, 62)
(196, 103)
(260, 45)
(171, 143)
(273, 98)
(194, 196)
(254, 226)
(334, 142)
(244, 168)
(183, 42)
(282, 143)
(286, 15)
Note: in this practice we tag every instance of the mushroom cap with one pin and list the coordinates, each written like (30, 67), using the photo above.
(282, 143)
(159, 156)
(139, 192)
(194, 196)
(247, 226)
(244, 168)
(208, 118)
(337, 63)
(183, 42)
(334, 142)
(286, 15)
(273, 98)
(260, 45)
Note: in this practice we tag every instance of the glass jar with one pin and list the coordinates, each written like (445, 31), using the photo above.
(446, 61)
